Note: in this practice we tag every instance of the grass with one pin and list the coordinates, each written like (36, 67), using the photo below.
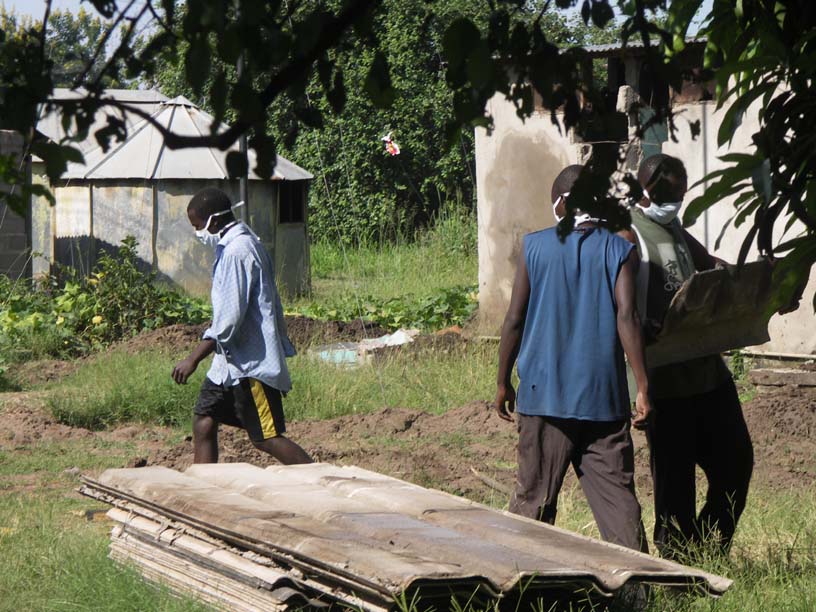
(120, 387)
(439, 258)
(53, 560)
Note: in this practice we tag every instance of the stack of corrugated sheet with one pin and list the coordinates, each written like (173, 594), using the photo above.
(246, 538)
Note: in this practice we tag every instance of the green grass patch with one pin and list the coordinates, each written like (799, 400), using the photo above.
(434, 381)
(427, 282)
(53, 560)
(120, 387)
(53, 458)
(439, 258)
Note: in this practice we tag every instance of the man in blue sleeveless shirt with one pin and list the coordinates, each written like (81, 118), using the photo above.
(572, 316)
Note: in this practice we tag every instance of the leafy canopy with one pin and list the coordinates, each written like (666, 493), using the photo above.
(761, 50)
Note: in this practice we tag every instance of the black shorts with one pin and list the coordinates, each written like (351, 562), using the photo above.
(250, 405)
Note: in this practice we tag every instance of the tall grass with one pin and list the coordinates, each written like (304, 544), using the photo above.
(54, 560)
(121, 387)
(442, 256)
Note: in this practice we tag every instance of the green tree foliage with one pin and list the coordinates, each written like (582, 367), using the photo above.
(362, 192)
(285, 46)
(765, 58)
(71, 46)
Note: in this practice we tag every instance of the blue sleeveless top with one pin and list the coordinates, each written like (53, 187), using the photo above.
(571, 362)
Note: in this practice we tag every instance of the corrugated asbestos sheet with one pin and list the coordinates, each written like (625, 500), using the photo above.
(246, 538)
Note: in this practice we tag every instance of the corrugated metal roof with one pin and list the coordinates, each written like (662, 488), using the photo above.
(143, 155)
(50, 123)
(384, 537)
(633, 44)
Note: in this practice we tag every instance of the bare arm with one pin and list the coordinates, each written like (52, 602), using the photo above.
(631, 336)
(185, 368)
(510, 343)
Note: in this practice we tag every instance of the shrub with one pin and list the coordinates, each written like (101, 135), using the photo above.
(66, 314)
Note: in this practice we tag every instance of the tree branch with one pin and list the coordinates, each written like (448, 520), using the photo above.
(44, 33)
(101, 46)
(166, 25)
(328, 38)
(122, 43)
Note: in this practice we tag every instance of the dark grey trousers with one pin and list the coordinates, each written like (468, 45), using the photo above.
(708, 430)
(602, 455)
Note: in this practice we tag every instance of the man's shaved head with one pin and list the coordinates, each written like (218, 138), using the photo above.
(565, 180)
(660, 166)
(665, 177)
(209, 201)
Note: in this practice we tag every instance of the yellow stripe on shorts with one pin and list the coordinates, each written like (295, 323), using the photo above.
(262, 406)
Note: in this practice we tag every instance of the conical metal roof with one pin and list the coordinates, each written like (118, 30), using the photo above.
(144, 156)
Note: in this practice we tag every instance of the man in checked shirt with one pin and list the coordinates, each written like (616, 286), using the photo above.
(248, 374)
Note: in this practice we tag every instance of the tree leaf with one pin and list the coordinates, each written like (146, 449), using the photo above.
(337, 94)
(458, 40)
(761, 180)
(197, 63)
(236, 164)
(601, 13)
(378, 82)
(106, 8)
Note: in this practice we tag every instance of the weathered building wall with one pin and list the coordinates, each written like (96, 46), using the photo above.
(122, 209)
(90, 216)
(517, 164)
(15, 241)
(73, 227)
(180, 257)
(515, 168)
(791, 333)
(42, 225)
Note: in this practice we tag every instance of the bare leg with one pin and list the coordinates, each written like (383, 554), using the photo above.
(284, 450)
(205, 439)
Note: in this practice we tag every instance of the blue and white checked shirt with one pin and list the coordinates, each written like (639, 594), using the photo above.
(248, 324)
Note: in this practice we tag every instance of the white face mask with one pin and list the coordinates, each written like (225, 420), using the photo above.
(663, 213)
(558, 200)
(205, 236)
(579, 218)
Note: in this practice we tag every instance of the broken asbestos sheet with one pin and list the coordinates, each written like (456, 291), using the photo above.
(715, 311)
(286, 537)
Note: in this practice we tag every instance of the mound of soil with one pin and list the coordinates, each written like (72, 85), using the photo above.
(304, 332)
(24, 422)
(409, 444)
(782, 423)
(440, 450)
(172, 339)
(433, 449)
(34, 373)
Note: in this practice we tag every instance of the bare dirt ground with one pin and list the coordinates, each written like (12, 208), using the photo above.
(435, 450)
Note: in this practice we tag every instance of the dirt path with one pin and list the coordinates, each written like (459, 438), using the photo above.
(434, 450)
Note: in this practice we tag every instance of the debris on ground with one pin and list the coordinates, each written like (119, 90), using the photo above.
(320, 535)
